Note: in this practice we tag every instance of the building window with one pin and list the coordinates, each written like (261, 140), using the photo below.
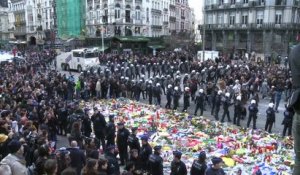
(221, 2)
(261, 2)
(220, 19)
(117, 11)
(137, 30)
(138, 13)
(245, 19)
(182, 25)
(117, 30)
(245, 1)
(259, 18)
(278, 18)
(182, 12)
(232, 20)
(232, 2)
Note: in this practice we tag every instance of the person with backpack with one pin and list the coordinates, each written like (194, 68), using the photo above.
(14, 163)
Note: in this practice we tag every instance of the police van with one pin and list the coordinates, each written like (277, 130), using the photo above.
(78, 59)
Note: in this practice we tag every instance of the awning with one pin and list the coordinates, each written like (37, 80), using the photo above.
(132, 39)
(157, 47)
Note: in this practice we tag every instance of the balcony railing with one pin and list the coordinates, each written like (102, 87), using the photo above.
(156, 27)
(166, 23)
(155, 11)
(264, 26)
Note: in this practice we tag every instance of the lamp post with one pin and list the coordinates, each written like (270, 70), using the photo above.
(203, 38)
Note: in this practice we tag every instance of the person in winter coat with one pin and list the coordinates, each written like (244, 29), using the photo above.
(113, 165)
(287, 121)
(264, 89)
(98, 89)
(14, 163)
(270, 118)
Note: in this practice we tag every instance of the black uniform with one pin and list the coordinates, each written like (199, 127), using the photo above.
(186, 101)
(270, 119)
(133, 142)
(122, 143)
(155, 164)
(198, 168)
(86, 126)
(287, 122)
(169, 98)
(145, 152)
(238, 108)
(110, 133)
(178, 168)
(176, 99)
(200, 103)
(253, 110)
(157, 94)
(226, 105)
(99, 124)
(217, 106)
(150, 93)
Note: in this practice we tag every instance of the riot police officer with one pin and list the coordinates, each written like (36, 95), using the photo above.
(199, 166)
(186, 99)
(122, 142)
(218, 104)
(176, 97)
(253, 110)
(133, 141)
(177, 166)
(157, 94)
(287, 121)
(156, 162)
(169, 96)
(150, 91)
(200, 102)
(270, 117)
(237, 110)
(226, 104)
(111, 131)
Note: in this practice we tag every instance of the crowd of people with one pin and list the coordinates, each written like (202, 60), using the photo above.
(38, 102)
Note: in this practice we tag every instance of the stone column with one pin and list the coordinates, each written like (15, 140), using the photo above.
(213, 40)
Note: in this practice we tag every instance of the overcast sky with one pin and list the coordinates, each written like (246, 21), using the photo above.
(197, 5)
